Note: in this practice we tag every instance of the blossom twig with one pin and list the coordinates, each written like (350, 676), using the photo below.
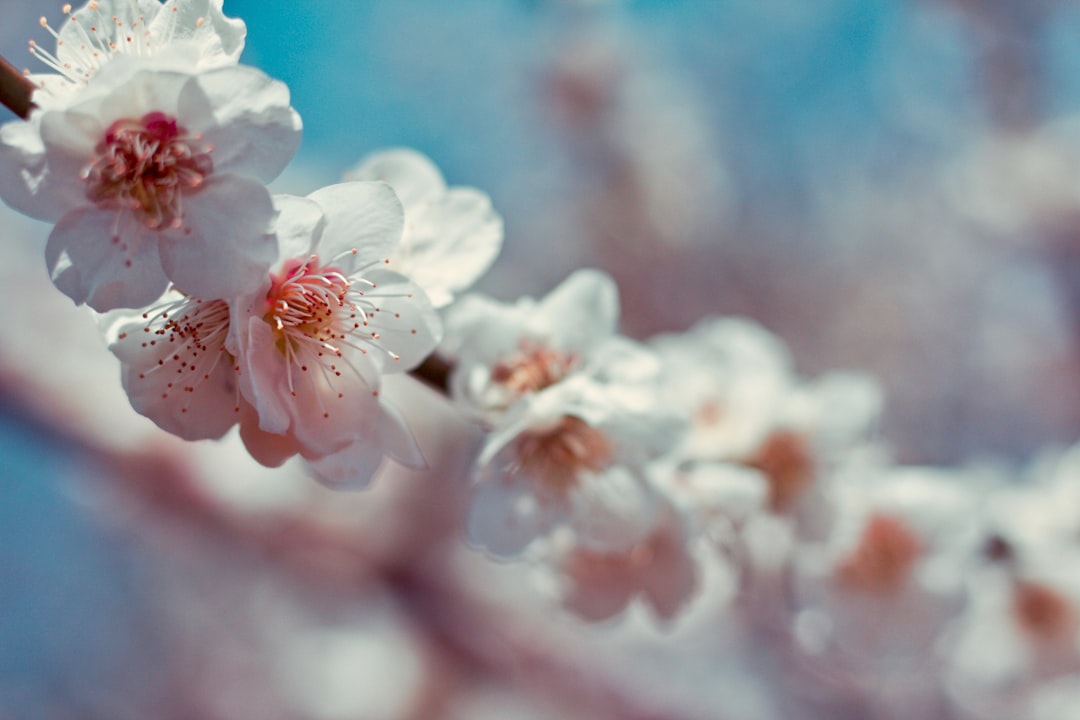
(15, 90)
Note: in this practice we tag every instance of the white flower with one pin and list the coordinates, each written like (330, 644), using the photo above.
(452, 235)
(573, 457)
(313, 340)
(731, 375)
(506, 352)
(180, 35)
(157, 176)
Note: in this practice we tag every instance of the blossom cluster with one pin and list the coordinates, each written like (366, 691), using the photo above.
(149, 147)
(626, 470)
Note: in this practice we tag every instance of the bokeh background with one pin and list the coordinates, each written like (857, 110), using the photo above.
(891, 186)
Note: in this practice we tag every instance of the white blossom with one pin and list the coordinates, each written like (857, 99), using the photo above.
(452, 235)
(156, 177)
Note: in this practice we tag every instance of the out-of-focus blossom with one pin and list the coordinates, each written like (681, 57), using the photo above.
(314, 339)
(452, 235)
(572, 456)
(505, 352)
(661, 569)
(155, 176)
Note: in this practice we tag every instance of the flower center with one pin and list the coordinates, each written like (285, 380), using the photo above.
(147, 166)
(532, 369)
(318, 314)
(884, 558)
(558, 454)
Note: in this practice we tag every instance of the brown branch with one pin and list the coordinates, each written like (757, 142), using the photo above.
(16, 90)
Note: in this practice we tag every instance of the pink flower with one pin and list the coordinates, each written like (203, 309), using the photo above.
(297, 362)
(314, 339)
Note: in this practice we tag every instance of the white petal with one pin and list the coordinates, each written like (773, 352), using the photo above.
(361, 216)
(94, 260)
(397, 439)
(407, 324)
(504, 519)
(298, 226)
(220, 39)
(22, 181)
(450, 242)
(413, 176)
(582, 310)
(255, 131)
(612, 511)
(73, 32)
(351, 468)
(225, 247)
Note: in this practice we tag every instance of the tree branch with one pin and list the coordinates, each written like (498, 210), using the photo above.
(16, 90)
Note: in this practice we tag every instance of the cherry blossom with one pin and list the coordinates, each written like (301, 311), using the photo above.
(313, 340)
(180, 35)
(660, 569)
(155, 177)
(452, 235)
(572, 457)
(504, 352)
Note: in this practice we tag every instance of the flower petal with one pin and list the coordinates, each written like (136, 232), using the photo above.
(157, 385)
(611, 511)
(269, 449)
(450, 242)
(504, 518)
(414, 177)
(298, 226)
(351, 468)
(225, 247)
(220, 39)
(405, 321)
(362, 216)
(582, 310)
(254, 130)
(94, 258)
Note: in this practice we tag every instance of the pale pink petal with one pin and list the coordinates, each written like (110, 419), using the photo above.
(597, 586)
(264, 380)
(414, 177)
(94, 260)
(254, 130)
(611, 511)
(670, 580)
(361, 216)
(225, 247)
(155, 383)
(269, 449)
